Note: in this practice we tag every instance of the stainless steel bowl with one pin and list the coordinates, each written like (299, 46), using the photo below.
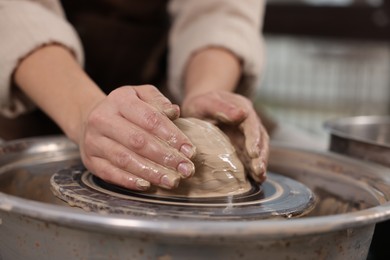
(366, 138)
(363, 137)
(353, 196)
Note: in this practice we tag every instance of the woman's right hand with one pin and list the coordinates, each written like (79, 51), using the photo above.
(126, 138)
(129, 139)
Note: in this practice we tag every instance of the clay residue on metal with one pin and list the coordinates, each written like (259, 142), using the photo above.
(218, 170)
(22, 183)
(332, 204)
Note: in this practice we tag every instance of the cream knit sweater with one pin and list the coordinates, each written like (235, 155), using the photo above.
(25, 25)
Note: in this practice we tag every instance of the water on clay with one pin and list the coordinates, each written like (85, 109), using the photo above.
(219, 172)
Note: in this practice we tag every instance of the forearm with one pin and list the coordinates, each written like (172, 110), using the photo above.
(212, 69)
(53, 79)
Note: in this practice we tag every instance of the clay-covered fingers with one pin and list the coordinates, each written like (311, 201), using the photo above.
(154, 97)
(258, 169)
(215, 105)
(130, 166)
(246, 130)
(111, 174)
(257, 147)
(149, 119)
(255, 164)
(135, 140)
(129, 141)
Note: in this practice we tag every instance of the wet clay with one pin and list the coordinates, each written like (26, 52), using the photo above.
(218, 171)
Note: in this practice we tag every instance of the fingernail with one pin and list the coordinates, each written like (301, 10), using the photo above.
(257, 167)
(188, 150)
(186, 169)
(262, 178)
(141, 184)
(263, 168)
(261, 175)
(169, 182)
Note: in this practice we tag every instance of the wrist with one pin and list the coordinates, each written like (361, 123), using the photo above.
(211, 69)
(83, 105)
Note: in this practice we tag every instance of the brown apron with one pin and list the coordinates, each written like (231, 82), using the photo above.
(125, 43)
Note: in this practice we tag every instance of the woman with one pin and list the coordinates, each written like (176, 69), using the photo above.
(125, 134)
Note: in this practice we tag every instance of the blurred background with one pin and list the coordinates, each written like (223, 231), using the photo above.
(325, 59)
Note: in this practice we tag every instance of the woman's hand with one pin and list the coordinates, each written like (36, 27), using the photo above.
(129, 139)
(237, 118)
(126, 138)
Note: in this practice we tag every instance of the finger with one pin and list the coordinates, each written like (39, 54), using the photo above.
(264, 154)
(147, 146)
(216, 106)
(154, 97)
(256, 146)
(149, 118)
(259, 164)
(257, 172)
(128, 161)
(111, 174)
(251, 128)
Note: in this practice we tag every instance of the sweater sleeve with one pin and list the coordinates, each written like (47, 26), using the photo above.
(232, 24)
(24, 27)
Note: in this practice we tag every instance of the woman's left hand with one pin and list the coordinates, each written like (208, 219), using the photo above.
(236, 116)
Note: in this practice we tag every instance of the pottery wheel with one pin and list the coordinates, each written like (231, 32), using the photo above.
(278, 196)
